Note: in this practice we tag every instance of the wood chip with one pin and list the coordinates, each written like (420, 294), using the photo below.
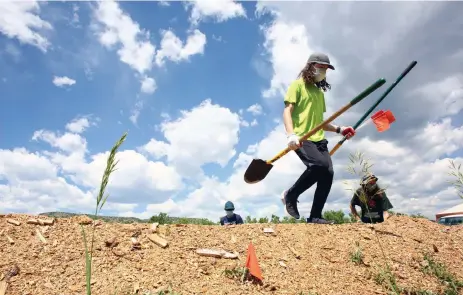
(4, 283)
(282, 264)
(135, 243)
(3, 287)
(216, 253)
(435, 248)
(296, 254)
(136, 287)
(32, 221)
(41, 221)
(158, 240)
(154, 228)
(41, 237)
(12, 221)
(268, 230)
(10, 240)
(111, 243)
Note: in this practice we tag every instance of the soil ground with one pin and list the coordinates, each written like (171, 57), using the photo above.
(324, 267)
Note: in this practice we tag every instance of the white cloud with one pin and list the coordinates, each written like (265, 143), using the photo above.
(79, 124)
(20, 20)
(148, 85)
(206, 134)
(163, 3)
(220, 10)
(63, 81)
(135, 48)
(75, 15)
(172, 47)
(136, 111)
(255, 109)
(62, 178)
(71, 143)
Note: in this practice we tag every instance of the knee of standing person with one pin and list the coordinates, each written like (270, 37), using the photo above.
(326, 168)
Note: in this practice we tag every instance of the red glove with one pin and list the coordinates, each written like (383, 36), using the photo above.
(348, 132)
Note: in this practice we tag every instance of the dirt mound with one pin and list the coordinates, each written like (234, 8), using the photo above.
(51, 257)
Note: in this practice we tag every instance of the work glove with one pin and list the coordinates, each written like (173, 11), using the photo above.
(348, 132)
(293, 142)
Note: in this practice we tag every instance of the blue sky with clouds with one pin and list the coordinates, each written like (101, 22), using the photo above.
(198, 85)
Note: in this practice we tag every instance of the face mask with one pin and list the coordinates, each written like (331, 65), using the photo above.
(371, 188)
(320, 74)
(229, 213)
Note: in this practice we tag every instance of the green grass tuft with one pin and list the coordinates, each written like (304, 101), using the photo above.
(100, 201)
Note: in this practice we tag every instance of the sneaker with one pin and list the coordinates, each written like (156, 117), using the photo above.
(290, 206)
(283, 197)
(319, 221)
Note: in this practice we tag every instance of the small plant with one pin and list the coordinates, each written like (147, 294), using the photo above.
(357, 255)
(234, 273)
(100, 201)
(168, 292)
(386, 277)
(360, 166)
(440, 272)
(457, 174)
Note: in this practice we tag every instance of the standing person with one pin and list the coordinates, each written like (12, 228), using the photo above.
(373, 201)
(304, 108)
(230, 218)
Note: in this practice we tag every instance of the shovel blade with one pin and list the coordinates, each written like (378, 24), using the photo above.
(257, 170)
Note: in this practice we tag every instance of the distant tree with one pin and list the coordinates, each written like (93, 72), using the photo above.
(263, 220)
(275, 219)
(336, 216)
(162, 218)
(457, 175)
(248, 219)
(396, 213)
(417, 215)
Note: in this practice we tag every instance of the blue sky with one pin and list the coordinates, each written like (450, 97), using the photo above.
(199, 85)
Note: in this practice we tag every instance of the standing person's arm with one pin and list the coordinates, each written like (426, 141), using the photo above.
(345, 131)
(287, 119)
(291, 98)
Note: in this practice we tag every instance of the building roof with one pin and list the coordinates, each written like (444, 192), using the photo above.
(454, 209)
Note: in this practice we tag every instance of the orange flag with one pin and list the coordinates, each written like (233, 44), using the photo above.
(252, 264)
(383, 120)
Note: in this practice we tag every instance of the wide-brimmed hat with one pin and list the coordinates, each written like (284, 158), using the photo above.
(320, 58)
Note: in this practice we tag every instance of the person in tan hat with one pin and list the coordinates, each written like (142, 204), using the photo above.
(304, 109)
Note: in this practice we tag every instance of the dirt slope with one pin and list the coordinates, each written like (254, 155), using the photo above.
(324, 267)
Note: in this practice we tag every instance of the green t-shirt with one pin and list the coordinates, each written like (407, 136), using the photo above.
(377, 204)
(309, 106)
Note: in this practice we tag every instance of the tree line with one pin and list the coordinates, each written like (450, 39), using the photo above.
(339, 217)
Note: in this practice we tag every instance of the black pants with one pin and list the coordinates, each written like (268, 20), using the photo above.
(317, 159)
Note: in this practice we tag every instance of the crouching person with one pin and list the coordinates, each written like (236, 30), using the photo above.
(372, 200)
(230, 218)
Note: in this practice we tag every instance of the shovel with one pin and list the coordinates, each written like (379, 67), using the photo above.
(360, 121)
(258, 169)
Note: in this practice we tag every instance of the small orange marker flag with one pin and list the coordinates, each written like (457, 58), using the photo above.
(252, 264)
(383, 120)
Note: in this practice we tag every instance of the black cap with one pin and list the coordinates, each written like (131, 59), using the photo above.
(320, 58)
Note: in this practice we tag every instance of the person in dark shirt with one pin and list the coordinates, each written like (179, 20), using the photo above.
(372, 200)
(231, 218)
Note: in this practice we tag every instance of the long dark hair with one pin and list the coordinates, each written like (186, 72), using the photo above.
(307, 74)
